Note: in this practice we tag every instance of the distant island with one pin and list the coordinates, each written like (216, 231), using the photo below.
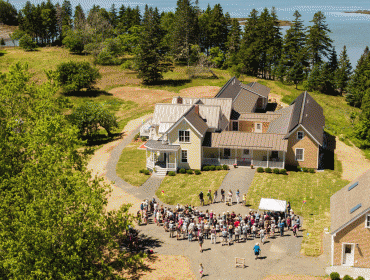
(281, 22)
(365, 12)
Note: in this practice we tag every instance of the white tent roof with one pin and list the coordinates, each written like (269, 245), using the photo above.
(272, 204)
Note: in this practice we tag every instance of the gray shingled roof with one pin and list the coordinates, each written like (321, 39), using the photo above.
(309, 114)
(258, 89)
(344, 200)
(245, 102)
(230, 89)
(169, 112)
(157, 145)
(264, 117)
(243, 140)
(280, 125)
(196, 121)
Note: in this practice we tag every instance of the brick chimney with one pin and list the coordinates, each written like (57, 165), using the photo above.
(179, 100)
(196, 109)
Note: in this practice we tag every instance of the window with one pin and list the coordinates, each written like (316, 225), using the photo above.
(299, 154)
(235, 126)
(258, 127)
(227, 152)
(274, 154)
(300, 135)
(367, 225)
(184, 156)
(184, 135)
(246, 151)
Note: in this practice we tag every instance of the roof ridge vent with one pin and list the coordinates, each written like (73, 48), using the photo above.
(352, 186)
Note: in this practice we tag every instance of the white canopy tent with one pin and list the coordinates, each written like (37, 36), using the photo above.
(272, 205)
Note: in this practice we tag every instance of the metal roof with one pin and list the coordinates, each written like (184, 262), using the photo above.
(196, 121)
(158, 145)
(243, 140)
(264, 117)
(245, 102)
(344, 204)
(169, 112)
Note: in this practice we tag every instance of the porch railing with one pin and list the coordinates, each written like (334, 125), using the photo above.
(219, 161)
(260, 163)
(276, 164)
(171, 165)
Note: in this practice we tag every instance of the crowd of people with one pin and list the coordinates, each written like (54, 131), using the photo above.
(187, 222)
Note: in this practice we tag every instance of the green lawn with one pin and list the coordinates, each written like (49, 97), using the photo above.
(129, 164)
(316, 189)
(184, 188)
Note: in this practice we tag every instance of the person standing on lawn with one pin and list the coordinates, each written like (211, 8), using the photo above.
(288, 222)
(237, 194)
(281, 227)
(215, 196)
(222, 195)
(209, 196)
(262, 236)
(295, 230)
(201, 198)
(244, 199)
(257, 250)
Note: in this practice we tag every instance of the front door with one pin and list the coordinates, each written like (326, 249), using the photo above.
(348, 254)
(165, 157)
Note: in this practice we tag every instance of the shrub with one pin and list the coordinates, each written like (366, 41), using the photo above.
(334, 276)
(225, 167)
(218, 167)
(128, 65)
(283, 171)
(27, 43)
(311, 170)
(276, 170)
(212, 168)
(304, 169)
(74, 41)
(136, 136)
(197, 172)
(182, 171)
(206, 168)
(260, 170)
(90, 115)
(360, 278)
(189, 171)
(299, 168)
(74, 76)
(347, 277)
(141, 170)
(143, 138)
(146, 172)
(172, 173)
(268, 170)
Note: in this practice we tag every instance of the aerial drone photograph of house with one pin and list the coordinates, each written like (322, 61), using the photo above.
(235, 128)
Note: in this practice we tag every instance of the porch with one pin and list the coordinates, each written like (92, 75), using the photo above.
(243, 157)
(161, 156)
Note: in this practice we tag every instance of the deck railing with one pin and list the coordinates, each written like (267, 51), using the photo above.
(260, 163)
(219, 161)
(276, 164)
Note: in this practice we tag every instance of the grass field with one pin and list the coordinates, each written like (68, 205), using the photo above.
(129, 164)
(184, 188)
(316, 189)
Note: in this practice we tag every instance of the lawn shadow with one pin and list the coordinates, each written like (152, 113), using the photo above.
(172, 82)
(262, 258)
(101, 139)
(327, 154)
(2, 53)
(88, 93)
(208, 249)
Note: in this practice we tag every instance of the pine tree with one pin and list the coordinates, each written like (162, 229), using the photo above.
(113, 16)
(318, 40)
(344, 71)
(233, 44)
(274, 51)
(248, 55)
(185, 31)
(204, 30)
(263, 40)
(149, 59)
(333, 60)
(79, 18)
(359, 82)
(293, 51)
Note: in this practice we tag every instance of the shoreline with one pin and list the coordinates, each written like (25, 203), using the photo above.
(363, 12)
(281, 22)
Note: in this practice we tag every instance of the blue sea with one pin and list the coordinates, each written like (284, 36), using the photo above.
(350, 29)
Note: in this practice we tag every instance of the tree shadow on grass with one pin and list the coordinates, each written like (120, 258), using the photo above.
(171, 82)
(100, 139)
(2, 53)
(88, 93)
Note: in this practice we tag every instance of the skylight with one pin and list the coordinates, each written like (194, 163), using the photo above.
(352, 186)
(355, 208)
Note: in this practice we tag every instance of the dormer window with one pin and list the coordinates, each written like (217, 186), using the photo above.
(258, 127)
(300, 135)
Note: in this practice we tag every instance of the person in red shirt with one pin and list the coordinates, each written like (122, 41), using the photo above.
(236, 224)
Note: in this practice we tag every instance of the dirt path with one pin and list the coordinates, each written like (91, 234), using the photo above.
(353, 160)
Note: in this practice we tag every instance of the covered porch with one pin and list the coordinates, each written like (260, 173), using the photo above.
(243, 157)
(161, 156)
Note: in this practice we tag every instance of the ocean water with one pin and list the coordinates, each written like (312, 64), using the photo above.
(350, 29)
